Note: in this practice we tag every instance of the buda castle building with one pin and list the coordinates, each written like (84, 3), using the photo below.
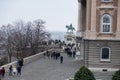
(98, 33)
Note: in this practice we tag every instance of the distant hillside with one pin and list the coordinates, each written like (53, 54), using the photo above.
(57, 35)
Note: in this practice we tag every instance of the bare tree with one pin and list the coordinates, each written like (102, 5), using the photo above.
(20, 35)
(7, 31)
(37, 35)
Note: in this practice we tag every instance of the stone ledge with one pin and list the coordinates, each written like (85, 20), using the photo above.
(101, 69)
(26, 60)
(70, 79)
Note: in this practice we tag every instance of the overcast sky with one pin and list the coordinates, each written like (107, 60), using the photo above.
(56, 13)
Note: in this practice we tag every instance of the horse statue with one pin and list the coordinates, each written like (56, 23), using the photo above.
(70, 28)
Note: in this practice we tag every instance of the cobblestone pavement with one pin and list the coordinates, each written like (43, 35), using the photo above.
(47, 69)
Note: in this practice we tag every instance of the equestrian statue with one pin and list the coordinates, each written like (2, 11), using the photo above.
(70, 28)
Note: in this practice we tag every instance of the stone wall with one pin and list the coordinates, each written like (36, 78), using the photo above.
(93, 50)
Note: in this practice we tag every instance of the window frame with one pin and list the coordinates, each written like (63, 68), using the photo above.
(102, 23)
(106, 60)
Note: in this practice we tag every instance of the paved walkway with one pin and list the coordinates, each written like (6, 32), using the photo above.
(103, 75)
(47, 69)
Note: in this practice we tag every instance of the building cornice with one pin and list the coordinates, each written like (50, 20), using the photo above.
(106, 7)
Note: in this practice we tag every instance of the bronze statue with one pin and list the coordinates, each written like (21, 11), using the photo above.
(70, 28)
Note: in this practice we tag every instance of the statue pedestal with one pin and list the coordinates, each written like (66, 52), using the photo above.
(69, 38)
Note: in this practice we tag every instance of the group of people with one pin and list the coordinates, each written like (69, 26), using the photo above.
(70, 50)
(13, 69)
(54, 55)
(16, 69)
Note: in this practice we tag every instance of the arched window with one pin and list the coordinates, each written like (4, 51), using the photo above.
(106, 23)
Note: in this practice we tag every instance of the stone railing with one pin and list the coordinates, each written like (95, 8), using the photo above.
(26, 60)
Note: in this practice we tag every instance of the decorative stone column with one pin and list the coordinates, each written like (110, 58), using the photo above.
(79, 29)
(79, 35)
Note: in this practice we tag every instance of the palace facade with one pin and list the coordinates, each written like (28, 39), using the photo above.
(98, 33)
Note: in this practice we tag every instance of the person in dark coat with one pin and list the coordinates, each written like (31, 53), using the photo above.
(61, 59)
(48, 54)
(3, 72)
(10, 70)
(21, 62)
(44, 55)
(18, 70)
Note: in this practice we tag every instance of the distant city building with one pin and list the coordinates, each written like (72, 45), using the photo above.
(98, 33)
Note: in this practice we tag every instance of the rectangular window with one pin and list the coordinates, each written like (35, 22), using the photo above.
(106, 28)
(105, 54)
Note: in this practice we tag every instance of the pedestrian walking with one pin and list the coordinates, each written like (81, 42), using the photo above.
(20, 62)
(10, 70)
(14, 70)
(18, 70)
(61, 59)
(48, 54)
(3, 72)
(44, 55)
(74, 52)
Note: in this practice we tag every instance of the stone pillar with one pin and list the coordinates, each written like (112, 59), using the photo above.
(79, 30)
(88, 15)
(118, 21)
(79, 16)
(83, 18)
(118, 17)
(93, 16)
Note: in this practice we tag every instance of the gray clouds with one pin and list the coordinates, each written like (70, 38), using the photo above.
(56, 13)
